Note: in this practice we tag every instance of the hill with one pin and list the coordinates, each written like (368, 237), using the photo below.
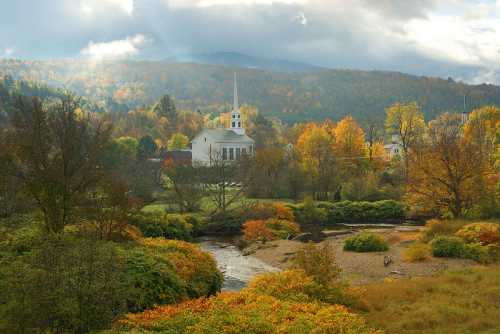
(292, 97)
(235, 59)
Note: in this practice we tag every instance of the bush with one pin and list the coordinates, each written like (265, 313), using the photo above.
(245, 312)
(448, 247)
(268, 210)
(483, 233)
(349, 212)
(456, 247)
(162, 225)
(417, 252)
(257, 230)
(366, 242)
(308, 213)
(62, 284)
(151, 280)
(197, 269)
(436, 227)
(282, 229)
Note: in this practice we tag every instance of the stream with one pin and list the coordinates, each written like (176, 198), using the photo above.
(238, 270)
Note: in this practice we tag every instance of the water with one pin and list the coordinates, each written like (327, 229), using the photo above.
(238, 270)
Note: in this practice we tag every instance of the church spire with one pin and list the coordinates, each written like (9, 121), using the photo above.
(236, 107)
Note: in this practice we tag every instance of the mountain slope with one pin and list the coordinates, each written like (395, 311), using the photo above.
(316, 95)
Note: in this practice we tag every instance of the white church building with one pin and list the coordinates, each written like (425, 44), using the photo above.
(228, 144)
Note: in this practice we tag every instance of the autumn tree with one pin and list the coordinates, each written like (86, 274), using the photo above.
(315, 150)
(178, 141)
(443, 168)
(407, 122)
(350, 145)
(186, 184)
(56, 150)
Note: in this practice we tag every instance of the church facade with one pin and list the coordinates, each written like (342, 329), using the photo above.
(226, 144)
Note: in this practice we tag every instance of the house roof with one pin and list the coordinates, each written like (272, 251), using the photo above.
(224, 136)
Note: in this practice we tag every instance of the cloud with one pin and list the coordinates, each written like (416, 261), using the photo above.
(301, 18)
(7, 52)
(88, 7)
(210, 3)
(117, 49)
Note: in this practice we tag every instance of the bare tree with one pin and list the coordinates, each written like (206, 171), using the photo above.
(56, 152)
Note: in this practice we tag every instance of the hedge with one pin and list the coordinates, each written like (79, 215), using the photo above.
(349, 212)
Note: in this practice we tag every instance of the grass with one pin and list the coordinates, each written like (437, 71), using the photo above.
(463, 302)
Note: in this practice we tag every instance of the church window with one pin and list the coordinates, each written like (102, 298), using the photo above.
(231, 153)
(238, 153)
(234, 116)
(238, 116)
(239, 124)
(243, 151)
(224, 153)
(234, 124)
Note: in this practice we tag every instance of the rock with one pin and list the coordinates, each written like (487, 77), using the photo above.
(335, 233)
(304, 237)
(387, 260)
(397, 272)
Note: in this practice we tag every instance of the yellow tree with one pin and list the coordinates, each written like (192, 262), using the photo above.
(444, 168)
(178, 141)
(407, 122)
(315, 149)
(349, 143)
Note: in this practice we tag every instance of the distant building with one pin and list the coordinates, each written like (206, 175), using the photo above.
(394, 148)
(228, 144)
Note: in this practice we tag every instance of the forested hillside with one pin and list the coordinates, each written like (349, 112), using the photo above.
(122, 85)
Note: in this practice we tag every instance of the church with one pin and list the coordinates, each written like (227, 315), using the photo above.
(227, 144)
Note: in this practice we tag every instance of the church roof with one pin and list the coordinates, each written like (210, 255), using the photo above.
(224, 136)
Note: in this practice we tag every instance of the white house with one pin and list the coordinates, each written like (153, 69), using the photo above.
(394, 148)
(228, 144)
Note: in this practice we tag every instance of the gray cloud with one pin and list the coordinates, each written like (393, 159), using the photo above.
(362, 34)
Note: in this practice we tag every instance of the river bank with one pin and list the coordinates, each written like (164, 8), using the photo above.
(364, 268)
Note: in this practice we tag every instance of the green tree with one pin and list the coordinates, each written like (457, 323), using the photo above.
(178, 141)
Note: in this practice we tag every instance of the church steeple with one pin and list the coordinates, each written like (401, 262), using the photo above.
(236, 119)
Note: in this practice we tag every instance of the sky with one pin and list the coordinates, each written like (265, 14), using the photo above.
(447, 38)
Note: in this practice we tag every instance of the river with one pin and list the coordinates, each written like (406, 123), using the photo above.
(238, 270)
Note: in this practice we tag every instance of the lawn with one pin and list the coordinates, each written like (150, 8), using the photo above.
(462, 302)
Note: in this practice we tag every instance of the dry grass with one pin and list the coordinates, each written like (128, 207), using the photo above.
(460, 303)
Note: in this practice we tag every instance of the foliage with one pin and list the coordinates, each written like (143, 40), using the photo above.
(437, 227)
(268, 210)
(417, 252)
(308, 213)
(483, 233)
(257, 230)
(55, 151)
(366, 242)
(349, 211)
(62, 284)
(151, 280)
(178, 141)
(437, 304)
(456, 247)
(246, 312)
(186, 183)
(197, 269)
(282, 229)
(169, 226)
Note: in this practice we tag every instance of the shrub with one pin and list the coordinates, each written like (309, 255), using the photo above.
(436, 227)
(257, 230)
(448, 247)
(456, 247)
(366, 242)
(268, 210)
(309, 213)
(245, 312)
(62, 285)
(151, 280)
(483, 233)
(347, 211)
(417, 252)
(196, 268)
(163, 225)
(282, 229)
